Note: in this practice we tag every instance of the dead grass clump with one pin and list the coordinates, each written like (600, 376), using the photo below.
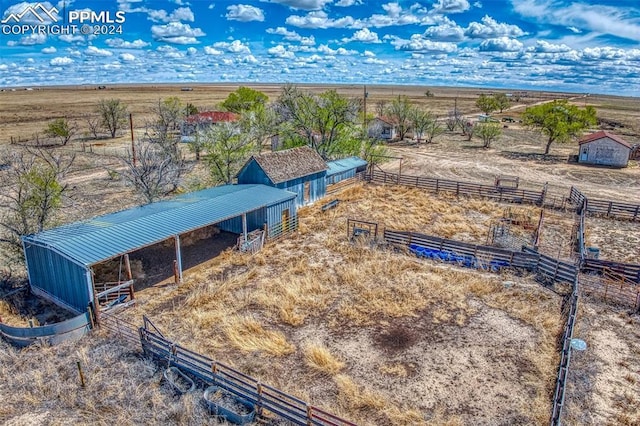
(356, 397)
(247, 334)
(321, 359)
(394, 369)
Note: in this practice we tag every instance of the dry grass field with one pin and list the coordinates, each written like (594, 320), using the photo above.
(369, 333)
(372, 334)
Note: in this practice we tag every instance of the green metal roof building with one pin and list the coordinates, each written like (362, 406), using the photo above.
(59, 260)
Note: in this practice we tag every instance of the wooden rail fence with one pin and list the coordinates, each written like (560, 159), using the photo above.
(512, 195)
(565, 356)
(268, 400)
(486, 257)
(607, 208)
(545, 266)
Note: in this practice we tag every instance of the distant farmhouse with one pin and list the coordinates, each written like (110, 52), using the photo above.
(604, 149)
(386, 129)
(197, 123)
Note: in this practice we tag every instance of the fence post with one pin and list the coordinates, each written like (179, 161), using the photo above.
(309, 415)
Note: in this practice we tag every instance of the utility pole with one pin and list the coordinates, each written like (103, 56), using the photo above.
(364, 118)
(133, 145)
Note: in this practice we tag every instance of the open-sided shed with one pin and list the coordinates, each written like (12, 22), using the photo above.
(60, 260)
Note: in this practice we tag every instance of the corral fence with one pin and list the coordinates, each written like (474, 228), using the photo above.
(51, 334)
(606, 208)
(570, 310)
(345, 183)
(546, 267)
(280, 230)
(614, 282)
(269, 401)
(505, 194)
(483, 257)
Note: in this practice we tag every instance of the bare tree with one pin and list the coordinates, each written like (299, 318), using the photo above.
(399, 112)
(381, 107)
(167, 114)
(469, 129)
(153, 174)
(432, 130)
(93, 124)
(420, 120)
(113, 115)
(32, 194)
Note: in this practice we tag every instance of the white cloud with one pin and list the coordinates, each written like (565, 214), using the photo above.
(280, 51)
(368, 54)
(180, 14)
(364, 36)
(620, 21)
(451, 6)
(323, 48)
(236, 46)
(319, 19)
(211, 6)
(127, 57)
(375, 61)
(347, 3)
(546, 47)
(123, 44)
(94, 51)
(447, 31)
(249, 59)
(301, 4)
(191, 51)
(501, 44)
(285, 33)
(49, 49)
(70, 38)
(170, 52)
(417, 43)
(244, 13)
(176, 33)
(490, 28)
(29, 40)
(574, 30)
(60, 61)
(212, 51)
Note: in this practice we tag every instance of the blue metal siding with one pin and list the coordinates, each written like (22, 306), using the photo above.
(317, 189)
(335, 178)
(255, 220)
(274, 213)
(108, 236)
(253, 173)
(57, 276)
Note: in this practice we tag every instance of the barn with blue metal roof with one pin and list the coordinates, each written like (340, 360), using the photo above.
(60, 260)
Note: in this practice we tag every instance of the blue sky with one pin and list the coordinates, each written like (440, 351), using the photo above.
(576, 46)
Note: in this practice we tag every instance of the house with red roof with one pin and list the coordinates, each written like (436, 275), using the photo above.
(604, 149)
(193, 124)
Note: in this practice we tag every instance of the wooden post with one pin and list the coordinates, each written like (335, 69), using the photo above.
(127, 267)
(244, 226)
(133, 145)
(309, 415)
(90, 312)
(178, 261)
(80, 374)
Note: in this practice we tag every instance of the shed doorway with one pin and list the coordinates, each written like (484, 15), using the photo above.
(584, 153)
(307, 192)
(285, 220)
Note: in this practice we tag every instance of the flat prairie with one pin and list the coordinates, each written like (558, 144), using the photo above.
(371, 334)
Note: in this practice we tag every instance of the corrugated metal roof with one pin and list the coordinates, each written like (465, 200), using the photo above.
(339, 166)
(107, 236)
(603, 134)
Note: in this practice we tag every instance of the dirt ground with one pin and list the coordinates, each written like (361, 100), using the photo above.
(404, 341)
